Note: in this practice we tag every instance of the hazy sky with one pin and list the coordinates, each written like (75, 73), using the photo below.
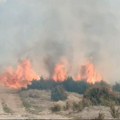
(77, 29)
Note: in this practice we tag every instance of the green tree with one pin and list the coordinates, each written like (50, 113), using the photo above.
(116, 87)
(58, 93)
(75, 86)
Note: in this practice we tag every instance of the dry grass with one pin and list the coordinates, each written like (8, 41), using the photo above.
(6, 108)
(115, 112)
(101, 116)
(55, 108)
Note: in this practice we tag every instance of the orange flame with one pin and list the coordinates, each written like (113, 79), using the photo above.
(60, 71)
(89, 73)
(20, 77)
(24, 74)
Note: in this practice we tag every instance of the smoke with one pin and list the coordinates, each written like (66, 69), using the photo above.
(54, 51)
(47, 30)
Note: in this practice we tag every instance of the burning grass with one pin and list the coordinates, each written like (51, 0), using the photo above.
(23, 74)
(20, 77)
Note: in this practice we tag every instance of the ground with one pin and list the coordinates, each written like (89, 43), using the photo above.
(37, 103)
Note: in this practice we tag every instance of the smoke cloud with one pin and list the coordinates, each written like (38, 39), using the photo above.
(47, 30)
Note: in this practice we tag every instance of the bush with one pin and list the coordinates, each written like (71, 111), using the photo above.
(42, 84)
(6, 108)
(116, 87)
(78, 106)
(99, 95)
(75, 86)
(58, 93)
(69, 84)
(101, 116)
(55, 108)
(102, 84)
(86, 102)
(115, 112)
(74, 106)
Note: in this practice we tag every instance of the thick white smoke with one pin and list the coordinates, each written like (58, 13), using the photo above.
(46, 30)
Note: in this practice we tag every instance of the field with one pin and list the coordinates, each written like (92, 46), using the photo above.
(31, 104)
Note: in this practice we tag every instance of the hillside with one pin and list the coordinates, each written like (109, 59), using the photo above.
(31, 104)
(12, 106)
(38, 103)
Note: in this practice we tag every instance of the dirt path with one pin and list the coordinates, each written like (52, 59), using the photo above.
(11, 106)
(10, 101)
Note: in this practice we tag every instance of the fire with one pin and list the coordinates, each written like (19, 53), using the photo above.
(24, 74)
(86, 72)
(89, 73)
(19, 78)
(60, 71)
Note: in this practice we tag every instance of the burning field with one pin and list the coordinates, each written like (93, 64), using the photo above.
(50, 48)
(73, 41)
(23, 74)
(55, 45)
(19, 77)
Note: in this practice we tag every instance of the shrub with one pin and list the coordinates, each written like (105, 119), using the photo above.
(115, 112)
(42, 84)
(75, 86)
(58, 93)
(34, 94)
(99, 95)
(116, 87)
(67, 106)
(78, 106)
(6, 108)
(69, 84)
(101, 116)
(86, 102)
(26, 105)
(55, 108)
(102, 84)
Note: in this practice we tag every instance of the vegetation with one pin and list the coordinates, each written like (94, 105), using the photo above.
(6, 108)
(42, 84)
(69, 85)
(115, 112)
(101, 116)
(99, 95)
(75, 86)
(58, 93)
(26, 105)
(55, 108)
(74, 106)
(78, 106)
(116, 87)
(102, 84)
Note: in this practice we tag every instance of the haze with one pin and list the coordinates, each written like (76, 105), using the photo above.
(50, 29)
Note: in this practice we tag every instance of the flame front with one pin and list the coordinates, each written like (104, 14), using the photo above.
(20, 77)
(60, 71)
(88, 72)
(24, 74)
